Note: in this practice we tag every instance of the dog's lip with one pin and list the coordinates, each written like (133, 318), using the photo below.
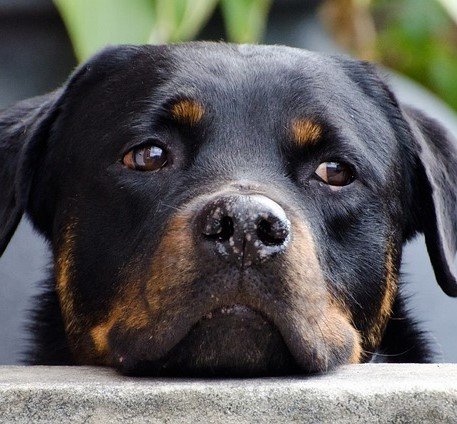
(254, 319)
(240, 310)
(295, 342)
(309, 354)
(231, 310)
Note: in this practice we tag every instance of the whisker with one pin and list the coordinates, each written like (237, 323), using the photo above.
(388, 355)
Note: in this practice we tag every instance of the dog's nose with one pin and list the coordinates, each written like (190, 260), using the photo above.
(244, 229)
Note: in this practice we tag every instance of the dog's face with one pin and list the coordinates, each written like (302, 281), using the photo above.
(217, 210)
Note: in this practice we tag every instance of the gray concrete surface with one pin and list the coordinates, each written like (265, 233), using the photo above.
(354, 394)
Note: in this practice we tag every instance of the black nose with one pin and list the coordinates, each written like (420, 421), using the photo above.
(244, 229)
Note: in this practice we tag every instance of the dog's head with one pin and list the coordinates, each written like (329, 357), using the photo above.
(219, 209)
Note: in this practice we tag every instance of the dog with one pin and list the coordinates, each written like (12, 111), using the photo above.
(227, 210)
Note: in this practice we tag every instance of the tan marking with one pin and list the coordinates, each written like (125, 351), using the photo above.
(64, 269)
(357, 350)
(324, 322)
(188, 111)
(100, 333)
(172, 267)
(129, 311)
(343, 315)
(391, 282)
(305, 131)
(374, 336)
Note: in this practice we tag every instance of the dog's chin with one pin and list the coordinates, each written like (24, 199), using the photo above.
(230, 341)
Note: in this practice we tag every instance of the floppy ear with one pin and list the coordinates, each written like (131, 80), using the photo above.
(25, 130)
(24, 133)
(433, 153)
(22, 130)
(435, 194)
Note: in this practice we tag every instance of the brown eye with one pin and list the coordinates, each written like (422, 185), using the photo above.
(335, 173)
(148, 158)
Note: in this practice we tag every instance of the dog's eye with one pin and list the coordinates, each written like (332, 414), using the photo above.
(147, 158)
(335, 173)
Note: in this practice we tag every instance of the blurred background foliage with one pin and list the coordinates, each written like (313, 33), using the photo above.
(95, 23)
(417, 38)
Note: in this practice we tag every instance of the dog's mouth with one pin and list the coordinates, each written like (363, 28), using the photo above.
(232, 340)
(207, 312)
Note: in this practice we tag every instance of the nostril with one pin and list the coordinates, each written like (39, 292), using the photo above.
(226, 228)
(242, 229)
(272, 233)
(219, 229)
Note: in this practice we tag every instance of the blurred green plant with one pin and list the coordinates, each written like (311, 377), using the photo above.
(415, 37)
(93, 24)
(419, 38)
(245, 20)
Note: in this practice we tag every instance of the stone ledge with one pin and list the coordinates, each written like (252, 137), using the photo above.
(378, 393)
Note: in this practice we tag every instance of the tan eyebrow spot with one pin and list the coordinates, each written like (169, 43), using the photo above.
(188, 111)
(305, 131)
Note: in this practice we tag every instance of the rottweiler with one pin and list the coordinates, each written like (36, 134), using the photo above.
(227, 210)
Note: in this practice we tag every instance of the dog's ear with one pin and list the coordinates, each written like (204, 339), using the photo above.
(431, 152)
(22, 131)
(435, 194)
(25, 130)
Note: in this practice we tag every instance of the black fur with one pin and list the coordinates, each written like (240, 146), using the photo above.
(119, 257)
(403, 340)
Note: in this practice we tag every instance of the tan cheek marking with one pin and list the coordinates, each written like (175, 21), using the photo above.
(341, 318)
(75, 326)
(130, 312)
(172, 267)
(100, 333)
(391, 287)
(64, 269)
(305, 131)
(391, 282)
(356, 356)
(302, 265)
(188, 112)
(329, 320)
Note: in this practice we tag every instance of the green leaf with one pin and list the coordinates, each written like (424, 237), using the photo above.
(180, 20)
(417, 38)
(245, 20)
(451, 7)
(92, 24)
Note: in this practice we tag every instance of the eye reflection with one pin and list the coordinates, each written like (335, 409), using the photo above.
(336, 174)
(148, 158)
